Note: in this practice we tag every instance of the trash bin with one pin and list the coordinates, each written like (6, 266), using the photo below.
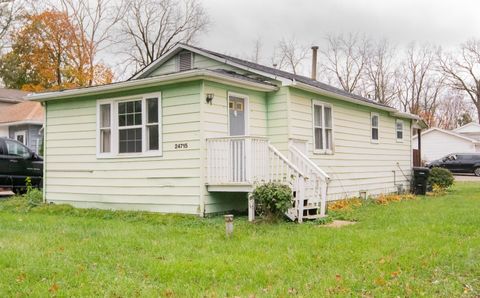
(420, 178)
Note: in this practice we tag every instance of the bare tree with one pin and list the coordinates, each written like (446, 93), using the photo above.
(453, 110)
(289, 54)
(95, 21)
(9, 10)
(257, 48)
(344, 59)
(463, 71)
(379, 73)
(152, 27)
(418, 85)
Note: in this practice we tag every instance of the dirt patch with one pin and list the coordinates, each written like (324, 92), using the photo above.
(339, 224)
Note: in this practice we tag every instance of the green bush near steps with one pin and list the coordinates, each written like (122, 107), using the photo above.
(440, 177)
(273, 199)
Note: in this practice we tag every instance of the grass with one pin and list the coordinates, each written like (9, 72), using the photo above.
(424, 247)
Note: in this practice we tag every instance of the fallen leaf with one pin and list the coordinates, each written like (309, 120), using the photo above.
(338, 277)
(54, 288)
(21, 277)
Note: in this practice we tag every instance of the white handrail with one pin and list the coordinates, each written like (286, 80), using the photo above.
(313, 165)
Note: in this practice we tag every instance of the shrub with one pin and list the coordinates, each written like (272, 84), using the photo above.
(273, 199)
(34, 196)
(441, 177)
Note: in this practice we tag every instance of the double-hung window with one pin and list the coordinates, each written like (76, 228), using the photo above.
(374, 120)
(322, 127)
(399, 130)
(129, 127)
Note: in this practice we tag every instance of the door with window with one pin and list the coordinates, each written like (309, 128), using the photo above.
(236, 113)
(236, 108)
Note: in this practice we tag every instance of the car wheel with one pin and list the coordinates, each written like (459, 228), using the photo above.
(477, 172)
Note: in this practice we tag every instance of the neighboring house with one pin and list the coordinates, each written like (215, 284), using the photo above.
(23, 122)
(9, 97)
(195, 130)
(436, 142)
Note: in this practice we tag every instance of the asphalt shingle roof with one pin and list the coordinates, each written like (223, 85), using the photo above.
(288, 75)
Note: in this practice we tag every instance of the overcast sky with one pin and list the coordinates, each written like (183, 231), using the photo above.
(235, 25)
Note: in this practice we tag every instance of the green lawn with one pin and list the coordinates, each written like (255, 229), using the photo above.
(426, 247)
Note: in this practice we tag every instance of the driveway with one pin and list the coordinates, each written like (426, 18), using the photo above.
(466, 177)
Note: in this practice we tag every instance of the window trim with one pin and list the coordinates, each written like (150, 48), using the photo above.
(374, 141)
(397, 130)
(323, 105)
(114, 149)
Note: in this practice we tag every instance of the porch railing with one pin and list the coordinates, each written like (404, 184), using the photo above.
(250, 160)
(316, 185)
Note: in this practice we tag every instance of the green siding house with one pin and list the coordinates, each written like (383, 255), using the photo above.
(196, 130)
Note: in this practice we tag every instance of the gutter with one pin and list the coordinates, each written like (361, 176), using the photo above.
(149, 82)
(393, 112)
(21, 122)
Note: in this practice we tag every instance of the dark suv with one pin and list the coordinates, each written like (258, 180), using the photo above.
(18, 162)
(459, 163)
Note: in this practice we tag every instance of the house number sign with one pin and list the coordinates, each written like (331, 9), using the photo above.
(181, 146)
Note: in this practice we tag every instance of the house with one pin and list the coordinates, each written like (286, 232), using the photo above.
(437, 142)
(196, 130)
(20, 120)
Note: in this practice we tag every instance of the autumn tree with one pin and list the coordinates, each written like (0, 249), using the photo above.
(48, 54)
(152, 27)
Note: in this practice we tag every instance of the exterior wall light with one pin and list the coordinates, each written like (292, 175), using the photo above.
(209, 98)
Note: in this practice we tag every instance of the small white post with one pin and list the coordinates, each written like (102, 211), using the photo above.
(251, 207)
(323, 203)
(300, 198)
(228, 224)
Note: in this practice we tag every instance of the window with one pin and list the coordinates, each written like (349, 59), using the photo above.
(130, 126)
(105, 128)
(399, 130)
(323, 128)
(17, 149)
(185, 60)
(375, 125)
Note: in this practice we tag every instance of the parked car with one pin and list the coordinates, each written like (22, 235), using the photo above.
(459, 163)
(17, 162)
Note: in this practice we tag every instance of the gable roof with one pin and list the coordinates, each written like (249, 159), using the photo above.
(251, 66)
(472, 125)
(12, 95)
(448, 132)
(24, 112)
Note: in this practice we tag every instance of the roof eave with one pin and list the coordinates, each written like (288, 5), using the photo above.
(310, 88)
(152, 81)
(21, 122)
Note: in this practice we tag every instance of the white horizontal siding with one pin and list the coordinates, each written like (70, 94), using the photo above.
(357, 164)
(170, 183)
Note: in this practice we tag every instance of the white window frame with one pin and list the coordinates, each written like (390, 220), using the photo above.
(375, 141)
(397, 130)
(114, 148)
(324, 135)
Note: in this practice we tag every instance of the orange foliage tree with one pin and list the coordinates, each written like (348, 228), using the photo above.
(53, 55)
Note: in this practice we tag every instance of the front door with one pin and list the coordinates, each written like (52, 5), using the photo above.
(236, 108)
